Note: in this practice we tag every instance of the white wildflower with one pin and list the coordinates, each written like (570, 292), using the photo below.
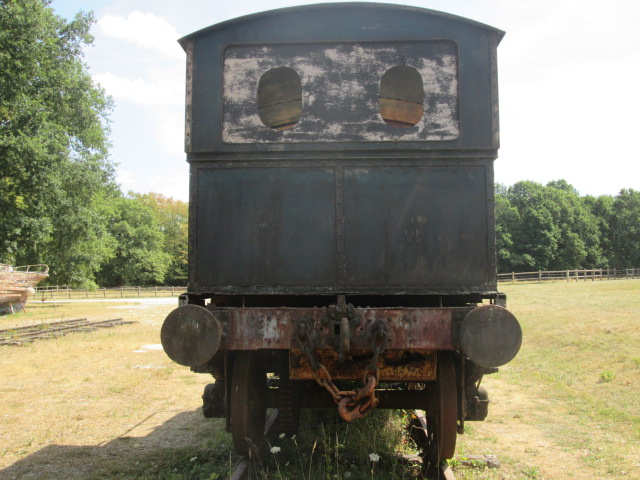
(347, 474)
(281, 435)
(374, 457)
(193, 459)
(275, 449)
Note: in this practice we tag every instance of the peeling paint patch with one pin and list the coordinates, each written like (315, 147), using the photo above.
(340, 85)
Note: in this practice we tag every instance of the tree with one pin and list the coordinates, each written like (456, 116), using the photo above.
(545, 228)
(507, 218)
(172, 216)
(139, 257)
(578, 232)
(602, 209)
(55, 175)
(625, 229)
(535, 237)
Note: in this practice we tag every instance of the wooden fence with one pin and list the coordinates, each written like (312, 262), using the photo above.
(61, 293)
(570, 275)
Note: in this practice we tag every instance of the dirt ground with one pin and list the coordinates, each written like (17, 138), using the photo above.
(83, 405)
(73, 405)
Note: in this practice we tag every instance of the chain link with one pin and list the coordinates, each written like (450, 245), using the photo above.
(352, 404)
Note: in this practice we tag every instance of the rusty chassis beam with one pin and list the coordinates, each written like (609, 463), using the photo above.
(274, 328)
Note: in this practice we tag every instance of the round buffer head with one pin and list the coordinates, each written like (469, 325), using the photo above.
(190, 335)
(490, 336)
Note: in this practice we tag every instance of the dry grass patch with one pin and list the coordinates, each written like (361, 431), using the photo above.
(95, 403)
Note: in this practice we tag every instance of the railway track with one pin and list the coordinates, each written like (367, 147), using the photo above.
(243, 469)
(23, 335)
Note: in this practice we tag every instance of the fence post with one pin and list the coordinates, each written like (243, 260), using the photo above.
(567, 274)
(69, 291)
(539, 276)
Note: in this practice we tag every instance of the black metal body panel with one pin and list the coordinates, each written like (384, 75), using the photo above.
(404, 227)
(360, 227)
(265, 228)
(342, 202)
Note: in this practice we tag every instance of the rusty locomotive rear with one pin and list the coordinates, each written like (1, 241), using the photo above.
(342, 216)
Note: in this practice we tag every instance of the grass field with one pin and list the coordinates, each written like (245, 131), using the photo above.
(569, 405)
(108, 404)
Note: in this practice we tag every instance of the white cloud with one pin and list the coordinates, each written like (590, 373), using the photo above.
(163, 92)
(172, 181)
(125, 178)
(170, 132)
(143, 29)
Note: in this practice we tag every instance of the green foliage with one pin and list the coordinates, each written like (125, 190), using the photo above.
(606, 376)
(625, 229)
(172, 216)
(139, 257)
(546, 228)
(54, 170)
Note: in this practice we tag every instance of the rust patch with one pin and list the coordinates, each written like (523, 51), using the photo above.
(395, 365)
(274, 328)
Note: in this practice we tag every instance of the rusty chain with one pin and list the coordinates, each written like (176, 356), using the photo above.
(352, 404)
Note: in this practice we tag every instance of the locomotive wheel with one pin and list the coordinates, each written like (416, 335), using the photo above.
(442, 421)
(247, 405)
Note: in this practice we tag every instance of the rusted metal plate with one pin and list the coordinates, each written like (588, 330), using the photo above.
(395, 365)
(274, 328)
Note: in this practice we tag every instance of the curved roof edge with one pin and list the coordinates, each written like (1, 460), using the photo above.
(314, 6)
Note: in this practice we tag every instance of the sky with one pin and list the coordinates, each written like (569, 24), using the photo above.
(569, 76)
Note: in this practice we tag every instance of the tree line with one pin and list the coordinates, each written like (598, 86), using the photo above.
(60, 203)
(553, 227)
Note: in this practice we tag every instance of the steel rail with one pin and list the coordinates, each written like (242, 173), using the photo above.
(41, 333)
(39, 327)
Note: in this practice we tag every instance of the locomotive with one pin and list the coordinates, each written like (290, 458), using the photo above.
(341, 217)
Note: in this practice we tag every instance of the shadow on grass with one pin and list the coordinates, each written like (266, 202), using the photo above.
(186, 446)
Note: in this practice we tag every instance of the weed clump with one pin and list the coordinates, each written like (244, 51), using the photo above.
(327, 448)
